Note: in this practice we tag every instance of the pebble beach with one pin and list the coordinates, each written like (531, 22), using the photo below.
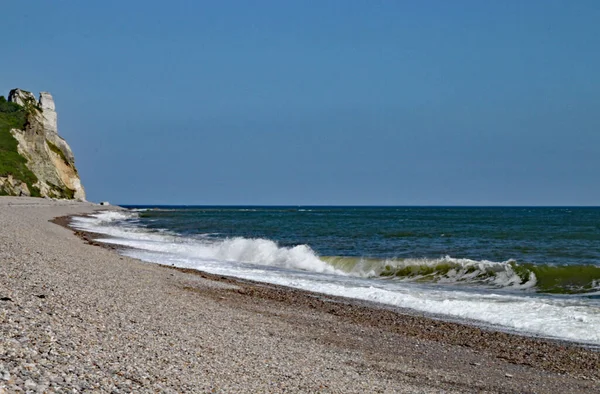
(77, 317)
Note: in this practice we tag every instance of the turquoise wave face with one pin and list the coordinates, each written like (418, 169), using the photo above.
(551, 279)
(565, 279)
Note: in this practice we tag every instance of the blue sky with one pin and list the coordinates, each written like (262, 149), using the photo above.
(319, 102)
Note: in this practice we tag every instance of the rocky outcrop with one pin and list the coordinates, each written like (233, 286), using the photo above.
(48, 155)
(48, 108)
(22, 97)
(14, 187)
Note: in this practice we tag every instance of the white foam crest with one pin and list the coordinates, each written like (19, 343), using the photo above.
(479, 270)
(242, 250)
(442, 270)
(97, 221)
(104, 223)
(245, 250)
(492, 273)
(264, 251)
(112, 216)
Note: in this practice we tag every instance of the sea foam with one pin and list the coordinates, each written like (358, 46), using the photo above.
(562, 317)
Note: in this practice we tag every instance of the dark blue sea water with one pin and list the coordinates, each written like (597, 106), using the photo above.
(535, 235)
(535, 270)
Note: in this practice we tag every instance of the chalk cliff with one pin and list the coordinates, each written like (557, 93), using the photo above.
(43, 164)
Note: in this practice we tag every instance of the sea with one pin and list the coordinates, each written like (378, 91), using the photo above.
(533, 271)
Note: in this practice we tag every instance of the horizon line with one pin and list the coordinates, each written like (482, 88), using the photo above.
(358, 206)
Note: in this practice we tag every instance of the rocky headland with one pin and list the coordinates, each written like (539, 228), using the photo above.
(34, 159)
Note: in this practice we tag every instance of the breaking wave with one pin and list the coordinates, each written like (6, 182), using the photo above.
(458, 288)
(544, 278)
(554, 279)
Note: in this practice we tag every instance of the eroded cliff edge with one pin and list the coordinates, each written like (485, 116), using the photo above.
(34, 159)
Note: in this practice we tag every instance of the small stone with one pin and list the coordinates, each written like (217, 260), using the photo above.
(508, 375)
(30, 384)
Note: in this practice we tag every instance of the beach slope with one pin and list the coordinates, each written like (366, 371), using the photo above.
(74, 316)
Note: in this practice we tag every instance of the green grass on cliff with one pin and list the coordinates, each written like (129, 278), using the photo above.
(13, 116)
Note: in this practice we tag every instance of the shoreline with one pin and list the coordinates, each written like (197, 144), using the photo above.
(410, 322)
(92, 239)
(185, 330)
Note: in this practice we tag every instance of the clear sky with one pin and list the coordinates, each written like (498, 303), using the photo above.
(319, 102)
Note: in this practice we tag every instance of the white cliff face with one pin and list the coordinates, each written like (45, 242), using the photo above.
(49, 120)
(49, 117)
(48, 156)
(22, 97)
(47, 102)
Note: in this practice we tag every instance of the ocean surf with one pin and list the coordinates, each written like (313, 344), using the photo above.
(532, 271)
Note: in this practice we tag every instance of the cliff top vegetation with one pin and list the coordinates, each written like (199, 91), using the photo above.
(13, 116)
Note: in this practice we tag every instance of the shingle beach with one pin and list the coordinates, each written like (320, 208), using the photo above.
(75, 317)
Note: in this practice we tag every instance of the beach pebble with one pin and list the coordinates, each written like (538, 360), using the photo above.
(30, 384)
